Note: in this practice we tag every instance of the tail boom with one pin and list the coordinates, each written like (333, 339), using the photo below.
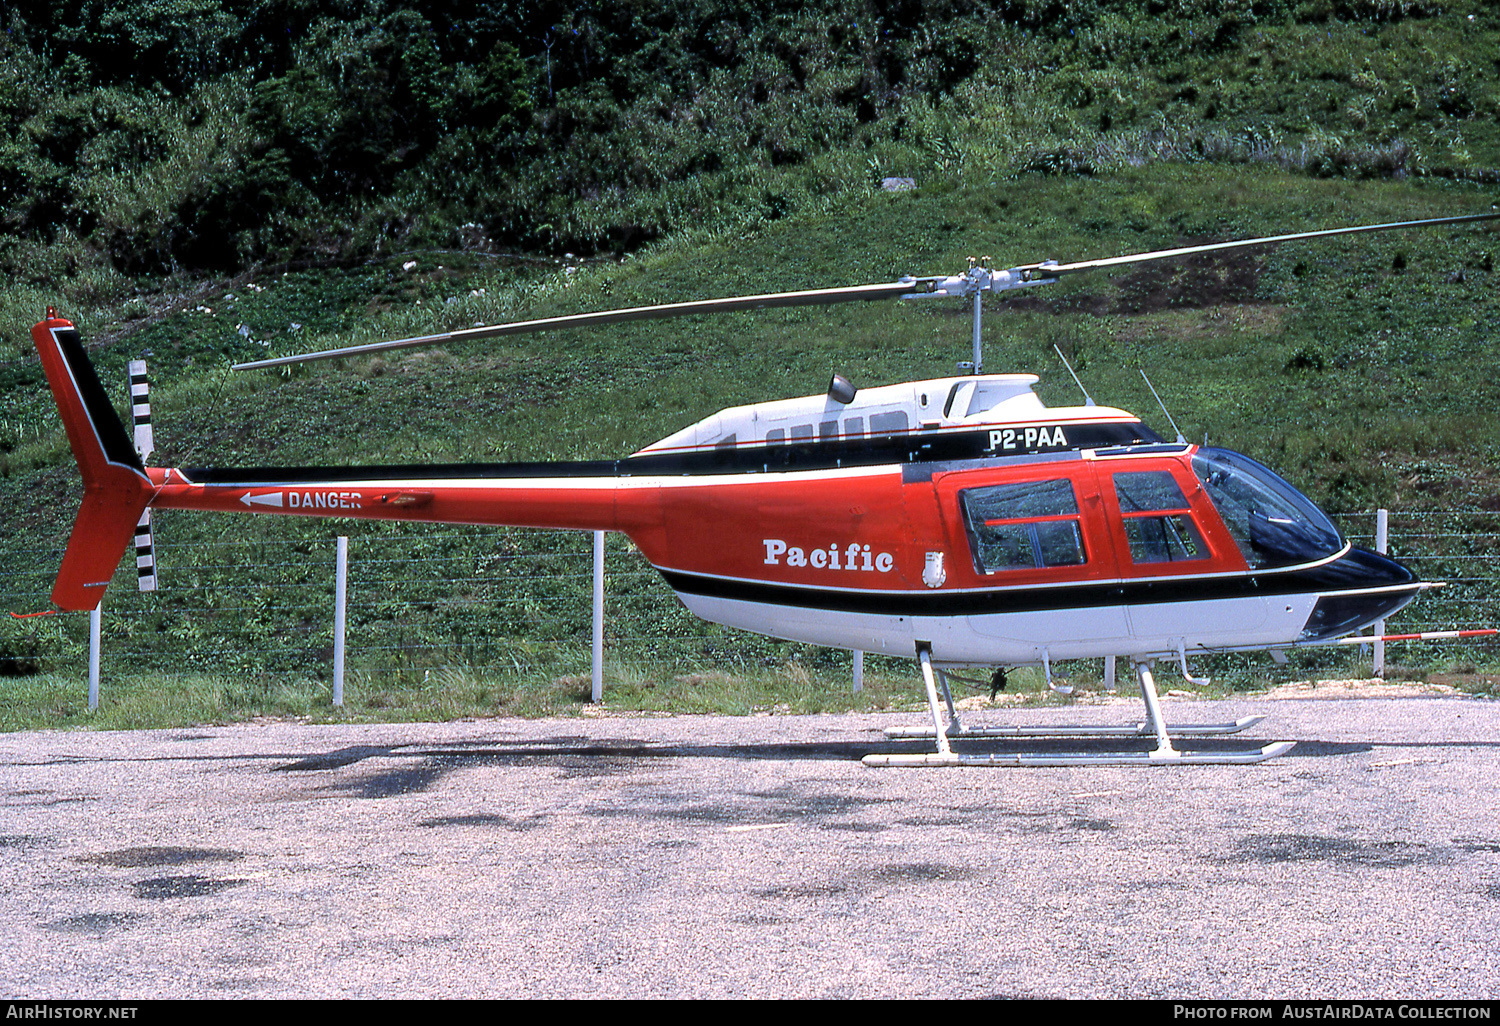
(584, 502)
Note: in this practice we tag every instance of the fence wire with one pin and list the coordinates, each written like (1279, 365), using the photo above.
(422, 601)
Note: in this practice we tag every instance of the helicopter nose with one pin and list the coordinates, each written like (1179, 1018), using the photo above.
(1364, 586)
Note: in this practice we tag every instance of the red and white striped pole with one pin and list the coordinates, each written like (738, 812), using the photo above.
(1378, 639)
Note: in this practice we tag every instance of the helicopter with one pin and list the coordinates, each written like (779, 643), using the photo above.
(959, 521)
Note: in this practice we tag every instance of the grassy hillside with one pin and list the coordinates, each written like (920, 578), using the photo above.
(1363, 351)
(1362, 368)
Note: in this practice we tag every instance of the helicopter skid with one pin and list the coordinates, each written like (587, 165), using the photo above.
(1154, 726)
(1154, 758)
(1137, 729)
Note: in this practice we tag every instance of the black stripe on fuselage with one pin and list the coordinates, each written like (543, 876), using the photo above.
(931, 447)
(1335, 576)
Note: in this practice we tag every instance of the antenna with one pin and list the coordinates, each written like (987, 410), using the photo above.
(1180, 439)
(1088, 400)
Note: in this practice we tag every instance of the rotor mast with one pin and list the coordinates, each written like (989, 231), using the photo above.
(974, 283)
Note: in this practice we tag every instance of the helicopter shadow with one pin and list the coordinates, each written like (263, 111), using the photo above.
(493, 752)
(419, 766)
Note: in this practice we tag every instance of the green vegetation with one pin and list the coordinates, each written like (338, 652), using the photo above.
(157, 136)
(261, 184)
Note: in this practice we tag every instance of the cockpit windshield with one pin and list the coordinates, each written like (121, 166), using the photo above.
(1273, 524)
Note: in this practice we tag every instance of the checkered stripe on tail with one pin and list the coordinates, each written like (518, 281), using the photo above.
(140, 408)
(145, 555)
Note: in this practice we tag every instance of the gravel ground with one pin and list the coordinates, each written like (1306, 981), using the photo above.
(753, 857)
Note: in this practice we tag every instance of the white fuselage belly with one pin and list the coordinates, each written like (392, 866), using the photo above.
(1025, 638)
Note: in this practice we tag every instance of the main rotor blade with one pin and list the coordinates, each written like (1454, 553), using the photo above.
(910, 286)
(1167, 254)
(812, 297)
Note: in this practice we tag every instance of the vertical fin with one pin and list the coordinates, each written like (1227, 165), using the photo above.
(115, 486)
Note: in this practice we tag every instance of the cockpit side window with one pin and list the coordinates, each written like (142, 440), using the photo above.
(1159, 525)
(1023, 526)
(952, 395)
(1272, 523)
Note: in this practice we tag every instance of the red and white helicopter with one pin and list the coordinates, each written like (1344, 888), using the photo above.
(957, 520)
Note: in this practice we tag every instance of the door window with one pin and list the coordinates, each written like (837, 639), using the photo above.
(1158, 523)
(1023, 526)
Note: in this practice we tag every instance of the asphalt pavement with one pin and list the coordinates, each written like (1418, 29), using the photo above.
(753, 857)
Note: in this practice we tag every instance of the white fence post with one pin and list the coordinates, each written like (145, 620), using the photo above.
(340, 594)
(95, 616)
(598, 690)
(859, 671)
(1382, 546)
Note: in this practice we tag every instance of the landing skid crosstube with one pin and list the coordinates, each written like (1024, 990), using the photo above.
(1165, 753)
